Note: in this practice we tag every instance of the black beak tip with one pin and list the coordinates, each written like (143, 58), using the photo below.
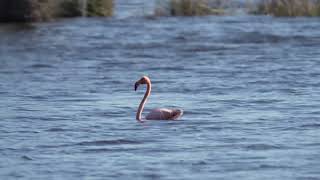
(136, 87)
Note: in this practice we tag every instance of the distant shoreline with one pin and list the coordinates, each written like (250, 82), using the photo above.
(44, 10)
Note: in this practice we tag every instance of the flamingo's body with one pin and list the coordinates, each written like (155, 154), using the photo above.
(155, 114)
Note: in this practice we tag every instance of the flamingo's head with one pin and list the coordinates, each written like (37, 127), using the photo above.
(143, 80)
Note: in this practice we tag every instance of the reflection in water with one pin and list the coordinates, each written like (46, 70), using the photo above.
(16, 27)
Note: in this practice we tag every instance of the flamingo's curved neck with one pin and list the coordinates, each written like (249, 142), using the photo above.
(143, 102)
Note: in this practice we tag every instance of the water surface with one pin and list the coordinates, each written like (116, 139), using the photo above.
(249, 87)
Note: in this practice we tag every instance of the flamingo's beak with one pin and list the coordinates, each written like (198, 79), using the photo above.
(136, 85)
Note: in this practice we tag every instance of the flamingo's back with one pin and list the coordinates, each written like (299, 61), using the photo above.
(164, 114)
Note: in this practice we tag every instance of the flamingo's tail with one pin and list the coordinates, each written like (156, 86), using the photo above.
(177, 113)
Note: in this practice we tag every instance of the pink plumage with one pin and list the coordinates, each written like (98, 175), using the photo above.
(158, 113)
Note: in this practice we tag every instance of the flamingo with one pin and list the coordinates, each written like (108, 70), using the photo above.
(158, 113)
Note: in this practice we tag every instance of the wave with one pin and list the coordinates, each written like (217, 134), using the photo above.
(103, 150)
(40, 66)
(107, 142)
(259, 37)
(258, 147)
(25, 157)
(313, 125)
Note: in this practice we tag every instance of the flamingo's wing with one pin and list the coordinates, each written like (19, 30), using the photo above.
(164, 114)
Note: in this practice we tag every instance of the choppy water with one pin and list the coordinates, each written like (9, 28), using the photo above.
(249, 87)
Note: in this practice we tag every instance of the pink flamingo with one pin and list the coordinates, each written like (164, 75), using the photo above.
(155, 114)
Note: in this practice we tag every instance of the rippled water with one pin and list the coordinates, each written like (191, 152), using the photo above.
(249, 87)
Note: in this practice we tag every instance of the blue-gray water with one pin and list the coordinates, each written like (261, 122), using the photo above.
(249, 87)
